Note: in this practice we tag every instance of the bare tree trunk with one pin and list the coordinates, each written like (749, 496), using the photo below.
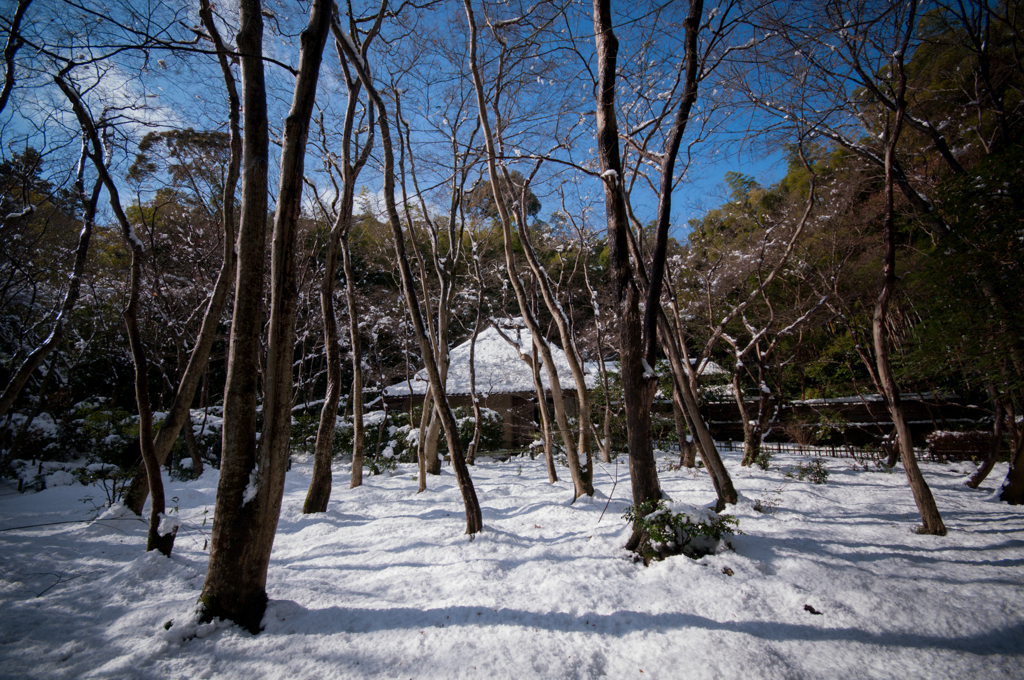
(421, 456)
(706, 444)
(475, 443)
(320, 484)
(687, 453)
(154, 540)
(584, 448)
(1013, 487)
(638, 381)
(545, 420)
(252, 481)
(685, 448)
(358, 436)
(932, 521)
(319, 493)
(178, 413)
(431, 460)
(474, 518)
(582, 480)
(542, 404)
(685, 375)
(997, 439)
(750, 451)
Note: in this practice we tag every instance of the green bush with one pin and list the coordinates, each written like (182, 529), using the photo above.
(763, 459)
(112, 480)
(664, 533)
(492, 436)
(384, 444)
(814, 472)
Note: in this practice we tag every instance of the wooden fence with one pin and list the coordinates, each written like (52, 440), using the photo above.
(858, 453)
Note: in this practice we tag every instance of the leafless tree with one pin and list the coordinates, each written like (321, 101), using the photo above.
(932, 521)
(348, 166)
(474, 520)
(178, 415)
(512, 209)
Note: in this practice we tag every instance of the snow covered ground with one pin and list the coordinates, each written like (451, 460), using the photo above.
(386, 585)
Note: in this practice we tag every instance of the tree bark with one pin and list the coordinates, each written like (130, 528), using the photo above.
(686, 452)
(320, 484)
(252, 481)
(154, 540)
(319, 492)
(545, 418)
(1013, 488)
(421, 456)
(582, 479)
(997, 439)
(584, 448)
(178, 414)
(431, 460)
(932, 521)
(358, 436)
(638, 381)
(474, 518)
(751, 444)
(14, 43)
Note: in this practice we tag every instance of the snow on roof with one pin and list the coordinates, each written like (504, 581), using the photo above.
(709, 367)
(499, 370)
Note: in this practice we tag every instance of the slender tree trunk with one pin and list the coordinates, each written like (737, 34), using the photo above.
(358, 436)
(178, 413)
(319, 493)
(687, 455)
(1013, 487)
(706, 448)
(252, 481)
(421, 455)
(475, 443)
(320, 484)
(638, 381)
(545, 418)
(997, 439)
(155, 540)
(584, 448)
(432, 461)
(750, 442)
(932, 521)
(14, 43)
(677, 417)
(582, 480)
(474, 518)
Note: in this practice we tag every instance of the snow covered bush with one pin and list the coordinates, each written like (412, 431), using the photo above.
(694, 532)
(100, 432)
(387, 440)
(37, 439)
(491, 435)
